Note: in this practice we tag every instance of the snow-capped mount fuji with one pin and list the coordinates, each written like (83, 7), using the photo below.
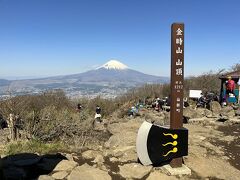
(112, 78)
(114, 64)
(116, 72)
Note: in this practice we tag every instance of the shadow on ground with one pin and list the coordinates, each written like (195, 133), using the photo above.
(28, 166)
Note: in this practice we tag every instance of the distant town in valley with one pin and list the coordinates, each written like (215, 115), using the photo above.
(108, 81)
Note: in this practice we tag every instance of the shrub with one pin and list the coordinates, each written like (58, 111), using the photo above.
(33, 146)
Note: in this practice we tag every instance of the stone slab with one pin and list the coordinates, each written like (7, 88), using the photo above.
(184, 170)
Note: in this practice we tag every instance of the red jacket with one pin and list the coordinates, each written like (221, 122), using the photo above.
(230, 85)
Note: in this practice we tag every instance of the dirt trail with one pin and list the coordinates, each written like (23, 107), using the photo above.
(231, 148)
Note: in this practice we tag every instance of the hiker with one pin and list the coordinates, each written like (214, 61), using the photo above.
(133, 111)
(159, 103)
(185, 102)
(202, 101)
(130, 111)
(230, 86)
(168, 100)
(3, 122)
(98, 114)
(79, 107)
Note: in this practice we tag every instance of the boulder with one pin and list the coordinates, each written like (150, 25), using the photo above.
(234, 120)
(215, 107)
(208, 113)
(125, 154)
(237, 112)
(60, 175)
(132, 125)
(191, 113)
(156, 118)
(121, 139)
(90, 154)
(134, 171)
(158, 175)
(227, 111)
(197, 120)
(65, 165)
(87, 172)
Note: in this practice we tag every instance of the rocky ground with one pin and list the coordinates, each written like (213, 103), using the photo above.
(214, 149)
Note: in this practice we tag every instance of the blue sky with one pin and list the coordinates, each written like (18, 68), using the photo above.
(55, 37)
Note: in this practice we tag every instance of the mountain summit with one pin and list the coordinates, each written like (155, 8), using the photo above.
(114, 64)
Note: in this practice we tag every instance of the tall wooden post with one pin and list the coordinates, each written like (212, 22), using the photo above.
(177, 80)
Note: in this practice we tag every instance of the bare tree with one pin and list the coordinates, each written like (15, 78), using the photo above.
(235, 67)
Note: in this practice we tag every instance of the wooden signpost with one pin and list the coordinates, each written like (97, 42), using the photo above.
(160, 144)
(177, 79)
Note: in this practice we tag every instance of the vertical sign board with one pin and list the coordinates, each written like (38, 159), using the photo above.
(156, 144)
(177, 78)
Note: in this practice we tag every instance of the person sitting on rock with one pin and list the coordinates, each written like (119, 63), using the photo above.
(202, 101)
(79, 107)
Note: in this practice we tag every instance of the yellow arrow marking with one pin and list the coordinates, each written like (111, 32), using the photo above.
(172, 151)
(174, 143)
(174, 136)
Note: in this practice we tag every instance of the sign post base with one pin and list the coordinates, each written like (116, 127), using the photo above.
(184, 170)
(176, 162)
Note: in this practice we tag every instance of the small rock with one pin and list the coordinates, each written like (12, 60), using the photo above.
(234, 121)
(99, 159)
(199, 137)
(113, 159)
(69, 157)
(196, 120)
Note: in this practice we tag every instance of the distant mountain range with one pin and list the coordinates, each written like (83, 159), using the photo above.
(111, 79)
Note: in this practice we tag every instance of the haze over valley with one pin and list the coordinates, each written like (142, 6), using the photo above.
(109, 80)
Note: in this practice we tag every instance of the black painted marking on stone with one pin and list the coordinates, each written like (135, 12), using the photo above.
(158, 153)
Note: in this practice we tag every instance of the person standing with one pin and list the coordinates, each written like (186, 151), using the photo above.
(98, 114)
(230, 86)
